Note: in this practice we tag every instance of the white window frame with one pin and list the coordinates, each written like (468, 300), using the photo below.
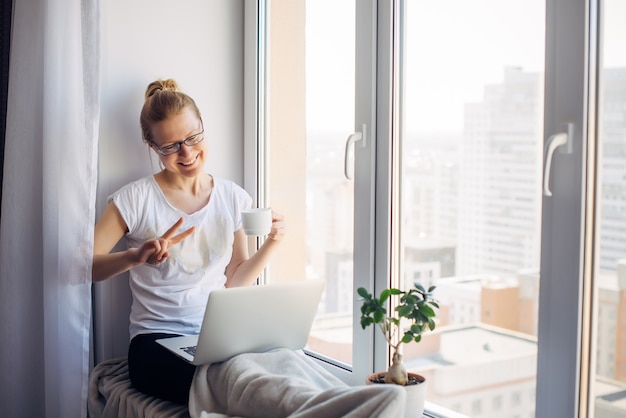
(563, 363)
(563, 369)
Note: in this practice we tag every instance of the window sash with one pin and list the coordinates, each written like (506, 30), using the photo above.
(567, 233)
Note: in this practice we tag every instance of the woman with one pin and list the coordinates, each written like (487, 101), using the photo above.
(184, 238)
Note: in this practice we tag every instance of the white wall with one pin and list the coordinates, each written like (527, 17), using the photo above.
(200, 44)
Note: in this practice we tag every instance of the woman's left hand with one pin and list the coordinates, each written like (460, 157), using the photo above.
(279, 228)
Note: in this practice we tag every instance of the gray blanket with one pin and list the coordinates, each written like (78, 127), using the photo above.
(279, 383)
(111, 395)
(285, 383)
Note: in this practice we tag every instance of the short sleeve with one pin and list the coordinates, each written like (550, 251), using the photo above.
(126, 200)
(242, 201)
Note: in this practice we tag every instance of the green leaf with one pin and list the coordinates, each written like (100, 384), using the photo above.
(411, 299)
(420, 287)
(431, 288)
(416, 328)
(431, 324)
(404, 311)
(384, 295)
(421, 320)
(407, 338)
(427, 311)
(363, 293)
(378, 316)
(365, 321)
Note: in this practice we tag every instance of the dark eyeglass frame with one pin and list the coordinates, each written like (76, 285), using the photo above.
(174, 147)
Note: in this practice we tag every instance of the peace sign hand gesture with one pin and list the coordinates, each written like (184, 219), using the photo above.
(155, 251)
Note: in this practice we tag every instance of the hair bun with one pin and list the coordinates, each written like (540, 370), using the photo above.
(161, 85)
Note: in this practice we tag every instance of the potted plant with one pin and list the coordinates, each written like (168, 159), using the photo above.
(413, 315)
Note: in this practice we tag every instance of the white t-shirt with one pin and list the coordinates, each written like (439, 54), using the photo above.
(171, 297)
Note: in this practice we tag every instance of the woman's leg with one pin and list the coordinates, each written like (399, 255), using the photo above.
(156, 371)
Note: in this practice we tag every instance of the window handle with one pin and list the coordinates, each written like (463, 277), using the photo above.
(353, 138)
(555, 141)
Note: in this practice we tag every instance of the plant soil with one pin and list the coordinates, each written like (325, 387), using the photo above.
(381, 379)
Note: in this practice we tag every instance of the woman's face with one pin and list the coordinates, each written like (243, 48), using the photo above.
(188, 161)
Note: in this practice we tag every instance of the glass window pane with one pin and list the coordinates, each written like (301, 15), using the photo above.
(471, 169)
(329, 201)
(609, 388)
(311, 111)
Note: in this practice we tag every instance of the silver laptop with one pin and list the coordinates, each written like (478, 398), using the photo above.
(251, 319)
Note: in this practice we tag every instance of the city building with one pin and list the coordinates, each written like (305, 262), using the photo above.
(500, 178)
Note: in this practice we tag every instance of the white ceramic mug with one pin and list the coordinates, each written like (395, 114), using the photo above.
(257, 221)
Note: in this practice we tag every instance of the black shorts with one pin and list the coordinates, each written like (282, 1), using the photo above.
(154, 370)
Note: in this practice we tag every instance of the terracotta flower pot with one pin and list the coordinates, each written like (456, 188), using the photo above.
(415, 392)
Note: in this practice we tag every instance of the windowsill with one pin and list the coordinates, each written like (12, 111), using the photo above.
(431, 410)
(435, 411)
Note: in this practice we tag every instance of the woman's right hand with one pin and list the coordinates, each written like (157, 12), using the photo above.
(155, 251)
(110, 229)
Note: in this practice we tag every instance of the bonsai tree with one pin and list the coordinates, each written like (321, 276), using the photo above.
(416, 306)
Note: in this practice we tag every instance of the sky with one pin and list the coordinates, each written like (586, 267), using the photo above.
(456, 47)
(614, 41)
(453, 49)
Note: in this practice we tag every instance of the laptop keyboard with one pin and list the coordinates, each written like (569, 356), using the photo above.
(189, 350)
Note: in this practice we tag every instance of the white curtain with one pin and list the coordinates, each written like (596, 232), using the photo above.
(48, 208)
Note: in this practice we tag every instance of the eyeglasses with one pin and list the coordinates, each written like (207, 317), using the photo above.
(175, 147)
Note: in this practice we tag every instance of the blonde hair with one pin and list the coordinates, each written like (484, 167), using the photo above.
(163, 100)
